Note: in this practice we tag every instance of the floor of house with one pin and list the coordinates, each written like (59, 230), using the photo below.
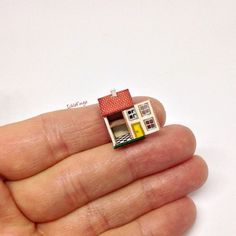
(124, 138)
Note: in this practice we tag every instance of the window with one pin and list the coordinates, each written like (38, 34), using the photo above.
(131, 113)
(144, 109)
(150, 123)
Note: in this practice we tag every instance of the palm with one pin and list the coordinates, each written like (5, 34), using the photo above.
(62, 177)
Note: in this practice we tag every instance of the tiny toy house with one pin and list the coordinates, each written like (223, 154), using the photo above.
(127, 122)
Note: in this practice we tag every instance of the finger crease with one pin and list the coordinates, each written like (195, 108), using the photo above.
(97, 219)
(56, 151)
(130, 169)
(140, 227)
(149, 193)
(75, 191)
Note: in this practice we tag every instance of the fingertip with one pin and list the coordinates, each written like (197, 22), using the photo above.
(197, 173)
(190, 206)
(202, 167)
(183, 138)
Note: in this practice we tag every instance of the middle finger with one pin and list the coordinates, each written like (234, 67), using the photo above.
(86, 176)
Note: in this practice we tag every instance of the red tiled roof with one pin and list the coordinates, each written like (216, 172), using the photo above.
(112, 104)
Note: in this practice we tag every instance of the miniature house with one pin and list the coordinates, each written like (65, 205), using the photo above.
(127, 122)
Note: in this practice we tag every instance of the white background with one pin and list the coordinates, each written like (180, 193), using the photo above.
(183, 52)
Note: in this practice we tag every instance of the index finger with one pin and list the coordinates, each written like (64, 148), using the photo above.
(31, 146)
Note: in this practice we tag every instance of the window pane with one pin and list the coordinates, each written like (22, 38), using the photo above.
(149, 123)
(144, 109)
(131, 113)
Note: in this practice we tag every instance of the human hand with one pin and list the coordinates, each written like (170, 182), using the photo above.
(60, 176)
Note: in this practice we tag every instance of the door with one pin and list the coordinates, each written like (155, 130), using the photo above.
(138, 131)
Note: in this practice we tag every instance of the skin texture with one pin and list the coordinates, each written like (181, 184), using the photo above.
(59, 175)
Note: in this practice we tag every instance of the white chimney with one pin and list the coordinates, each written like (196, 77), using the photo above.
(113, 93)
